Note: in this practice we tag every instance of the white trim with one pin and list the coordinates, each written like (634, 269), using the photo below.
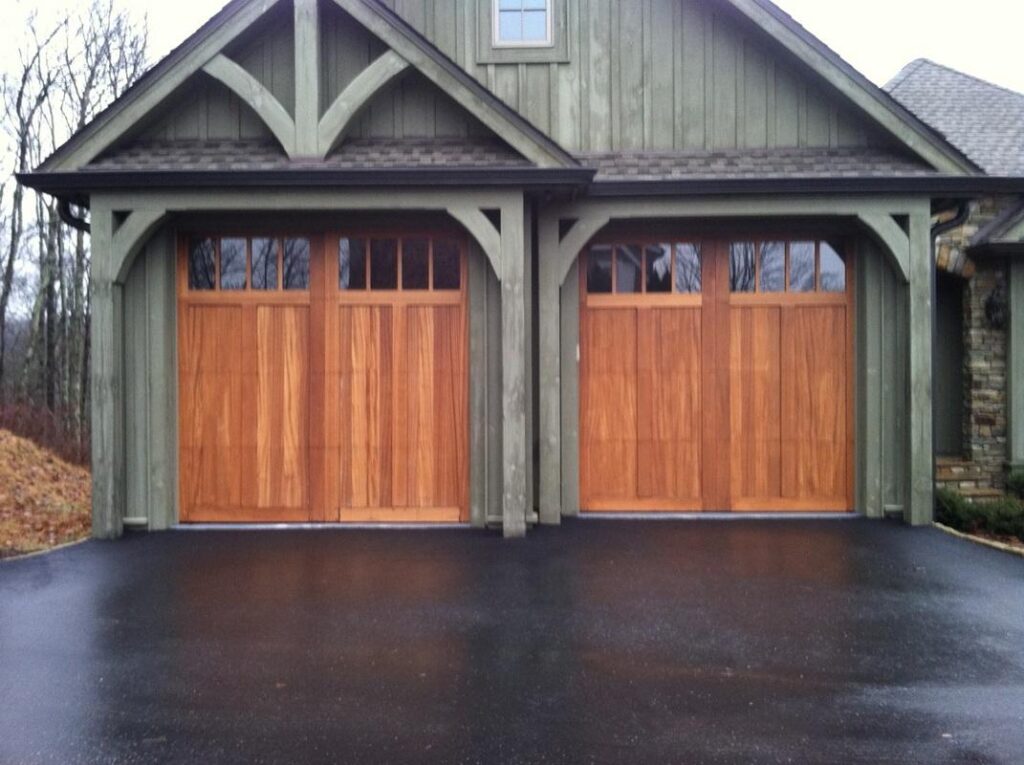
(498, 44)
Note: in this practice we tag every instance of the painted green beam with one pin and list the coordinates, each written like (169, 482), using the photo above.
(258, 97)
(307, 78)
(1015, 366)
(355, 97)
(919, 508)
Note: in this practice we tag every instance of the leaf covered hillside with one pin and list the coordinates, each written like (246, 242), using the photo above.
(44, 501)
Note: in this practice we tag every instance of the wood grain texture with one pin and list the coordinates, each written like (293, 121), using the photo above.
(716, 402)
(669, 405)
(323, 405)
(755, 380)
(608, 406)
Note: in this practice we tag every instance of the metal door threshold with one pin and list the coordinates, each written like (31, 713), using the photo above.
(319, 526)
(696, 517)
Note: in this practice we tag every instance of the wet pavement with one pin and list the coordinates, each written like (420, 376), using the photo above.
(602, 641)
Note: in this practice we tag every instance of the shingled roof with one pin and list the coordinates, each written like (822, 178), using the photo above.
(984, 121)
(754, 164)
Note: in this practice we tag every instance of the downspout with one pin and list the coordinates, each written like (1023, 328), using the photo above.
(963, 212)
(64, 211)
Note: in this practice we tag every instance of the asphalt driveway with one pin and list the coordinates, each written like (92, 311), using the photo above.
(689, 642)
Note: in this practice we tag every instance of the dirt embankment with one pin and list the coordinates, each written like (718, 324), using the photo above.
(44, 501)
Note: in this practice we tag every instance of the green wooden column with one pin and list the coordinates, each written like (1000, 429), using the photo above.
(919, 507)
(107, 382)
(548, 317)
(1015, 367)
(514, 382)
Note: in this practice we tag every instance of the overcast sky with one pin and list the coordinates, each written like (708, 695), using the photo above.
(982, 37)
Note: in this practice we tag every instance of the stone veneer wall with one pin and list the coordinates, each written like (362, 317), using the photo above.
(985, 355)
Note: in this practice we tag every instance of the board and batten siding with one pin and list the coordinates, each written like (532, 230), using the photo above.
(640, 75)
(652, 75)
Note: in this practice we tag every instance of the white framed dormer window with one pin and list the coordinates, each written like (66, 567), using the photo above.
(522, 24)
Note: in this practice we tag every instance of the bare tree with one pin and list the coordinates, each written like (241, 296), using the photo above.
(64, 80)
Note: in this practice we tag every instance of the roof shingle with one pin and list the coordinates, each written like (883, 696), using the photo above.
(359, 154)
(753, 164)
(984, 121)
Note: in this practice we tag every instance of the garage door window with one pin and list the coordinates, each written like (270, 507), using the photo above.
(797, 266)
(241, 264)
(414, 264)
(655, 269)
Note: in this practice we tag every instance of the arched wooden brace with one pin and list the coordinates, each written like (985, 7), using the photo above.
(357, 95)
(558, 254)
(258, 97)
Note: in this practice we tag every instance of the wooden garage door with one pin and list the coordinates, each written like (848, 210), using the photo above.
(323, 379)
(716, 375)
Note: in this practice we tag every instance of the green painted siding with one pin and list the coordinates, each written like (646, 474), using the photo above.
(653, 74)
(151, 385)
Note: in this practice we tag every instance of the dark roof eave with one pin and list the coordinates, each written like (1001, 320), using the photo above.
(81, 184)
(947, 186)
(997, 250)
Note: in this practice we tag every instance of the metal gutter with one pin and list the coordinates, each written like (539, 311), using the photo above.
(86, 182)
(931, 185)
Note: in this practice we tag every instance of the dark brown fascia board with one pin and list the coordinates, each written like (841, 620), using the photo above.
(947, 186)
(81, 184)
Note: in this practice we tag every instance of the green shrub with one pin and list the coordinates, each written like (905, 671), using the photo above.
(952, 510)
(1015, 483)
(1003, 517)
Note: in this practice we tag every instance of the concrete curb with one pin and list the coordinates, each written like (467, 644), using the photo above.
(982, 541)
(38, 553)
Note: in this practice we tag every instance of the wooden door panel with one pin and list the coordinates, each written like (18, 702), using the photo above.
(436, 432)
(608, 422)
(754, 395)
(366, 377)
(814, 404)
(281, 420)
(211, 408)
(669, 464)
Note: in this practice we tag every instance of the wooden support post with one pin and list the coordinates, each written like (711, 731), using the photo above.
(919, 509)
(107, 381)
(550, 372)
(514, 348)
(1015, 367)
(870, 501)
(307, 78)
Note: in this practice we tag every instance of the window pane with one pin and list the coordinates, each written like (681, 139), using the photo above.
(352, 264)
(659, 268)
(628, 272)
(833, 269)
(599, 270)
(447, 265)
(510, 5)
(773, 266)
(801, 267)
(232, 264)
(510, 26)
(742, 267)
(295, 268)
(688, 276)
(535, 5)
(415, 264)
(384, 264)
(264, 264)
(201, 266)
(535, 26)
